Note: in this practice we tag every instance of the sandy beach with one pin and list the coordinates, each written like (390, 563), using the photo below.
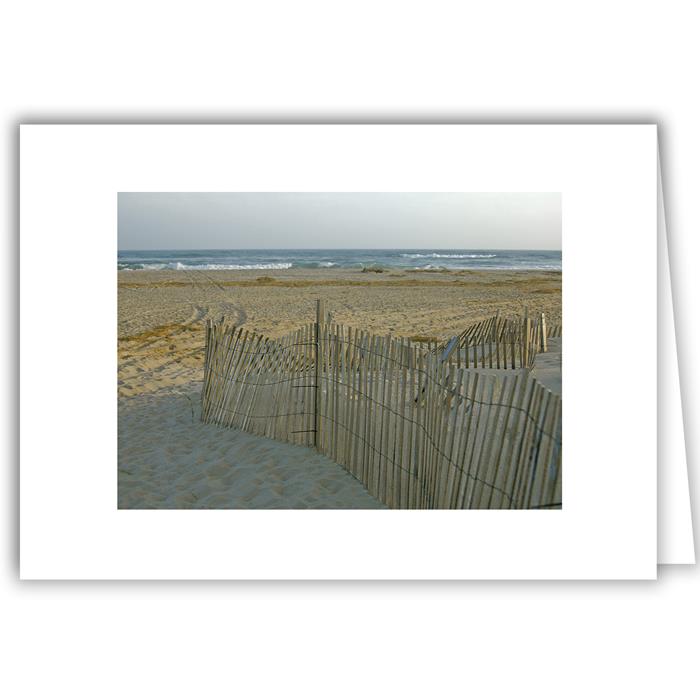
(169, 459)
(161, 313)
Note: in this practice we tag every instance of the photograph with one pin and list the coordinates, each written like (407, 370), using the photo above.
(339, 350)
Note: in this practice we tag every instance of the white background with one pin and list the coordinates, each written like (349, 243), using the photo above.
(505, 61)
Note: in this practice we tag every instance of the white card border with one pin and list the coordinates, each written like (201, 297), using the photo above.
(70, 527)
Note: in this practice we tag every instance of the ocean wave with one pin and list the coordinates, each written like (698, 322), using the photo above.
(182, 266)
(463, 268)
(448, 255)
(331, 261)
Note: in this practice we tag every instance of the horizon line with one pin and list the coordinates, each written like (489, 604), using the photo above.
(155, 250)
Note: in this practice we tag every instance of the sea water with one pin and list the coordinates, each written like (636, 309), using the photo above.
(400, 259)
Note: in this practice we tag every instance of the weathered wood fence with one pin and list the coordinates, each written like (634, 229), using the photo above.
(499, 343)
(417, 431)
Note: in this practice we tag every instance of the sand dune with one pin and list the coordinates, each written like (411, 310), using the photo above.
(547, 369)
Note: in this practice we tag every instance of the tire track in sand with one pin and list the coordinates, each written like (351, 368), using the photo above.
(171, 354)
(239, 311)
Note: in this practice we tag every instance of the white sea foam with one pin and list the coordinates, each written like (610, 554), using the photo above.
(447, 255)
(182, 266)
(330, 260)
(458, 268)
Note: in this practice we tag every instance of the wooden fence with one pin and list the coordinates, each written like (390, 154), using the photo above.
(417, 431)
(500, 343)
(554, 331)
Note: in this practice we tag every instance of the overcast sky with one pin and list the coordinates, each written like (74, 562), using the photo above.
(159, 221)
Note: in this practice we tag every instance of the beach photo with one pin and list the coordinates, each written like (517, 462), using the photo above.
(281, 350)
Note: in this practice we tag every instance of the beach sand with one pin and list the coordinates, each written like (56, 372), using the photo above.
(161, 314)
(168, 459)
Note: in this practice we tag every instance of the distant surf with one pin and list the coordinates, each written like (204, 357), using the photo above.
(403, 259)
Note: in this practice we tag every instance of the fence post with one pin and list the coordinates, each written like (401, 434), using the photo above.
(526, 340)
(320, 318)
(543, 331)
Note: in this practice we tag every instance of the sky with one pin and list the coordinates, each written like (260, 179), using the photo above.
(238, 220)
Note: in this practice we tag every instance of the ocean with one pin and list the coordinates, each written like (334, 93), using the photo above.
(409, 259)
